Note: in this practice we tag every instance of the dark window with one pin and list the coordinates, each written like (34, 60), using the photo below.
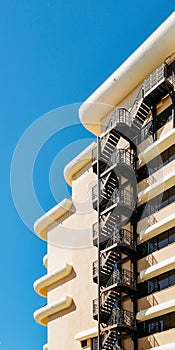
(156, 284)
(156, 163)
(156, 203)
(83, 343)
(158, 324)
(155, 124)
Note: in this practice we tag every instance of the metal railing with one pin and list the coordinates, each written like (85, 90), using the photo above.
(119, 116)
(154, 78)
(122, 156)
(122, 277)
(95, 306)
(94, 154)
(122, 115)
(121, 196)
(120, 237)
(121, 317)
(95, 230)
(94, 193)
(95, 268)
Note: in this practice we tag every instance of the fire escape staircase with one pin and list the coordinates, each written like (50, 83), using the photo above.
(116, 202)
(107, 302)
(108, 260)
(108, 145)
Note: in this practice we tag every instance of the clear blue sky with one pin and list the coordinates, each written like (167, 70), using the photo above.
(53, 53)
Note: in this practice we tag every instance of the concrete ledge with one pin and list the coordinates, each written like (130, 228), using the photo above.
(45, 347)
(53, 215)
(157, 310)
(45, 260)
(170, 346)
(41, 285)
(157, 188)
(158, 269)
(157, 147)
(88, 333)
(157, 228)
(41, 315)
(128, 76)
(78, 163)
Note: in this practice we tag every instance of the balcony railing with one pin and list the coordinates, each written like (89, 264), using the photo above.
(122, 197)
(95, 231)
(94, 154)
(119, 116)
(94, 193)
(95, 268)
(122, 156)
(122, 277)
(95, 307)
(122, 318)
(121, 237)
(154, 78)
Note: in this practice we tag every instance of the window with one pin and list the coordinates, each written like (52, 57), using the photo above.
(152, 125)
(156, 203)
(156, 284)
(83, 343)
(157, 324)
(156, 163)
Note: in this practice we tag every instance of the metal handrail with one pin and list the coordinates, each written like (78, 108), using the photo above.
(94, 154)
(122, 317)
(122, 115)
(122, 156)
(94, 192)
(154, 78)
(95, 267)
(122, 236)
(119, 116)
(123, 276)
(95, 230)
(121, 196)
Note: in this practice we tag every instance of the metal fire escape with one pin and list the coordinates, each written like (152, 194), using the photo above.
(114, 197)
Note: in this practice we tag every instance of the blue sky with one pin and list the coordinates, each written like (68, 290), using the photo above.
(53, 53)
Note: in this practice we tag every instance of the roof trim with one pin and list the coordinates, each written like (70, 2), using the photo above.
(153, 52)
(78, 163)
(53, 215)
(41, 315)
(41, 285)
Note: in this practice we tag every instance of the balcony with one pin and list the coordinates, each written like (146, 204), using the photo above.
(121, 280)
(42, 284)
(121, 159)
(121, 320)
(95, 196)
(122, 200)
(121, 121)
(42, 315)
(122, 241)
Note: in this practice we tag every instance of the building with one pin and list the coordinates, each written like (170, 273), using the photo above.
(116, 288)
